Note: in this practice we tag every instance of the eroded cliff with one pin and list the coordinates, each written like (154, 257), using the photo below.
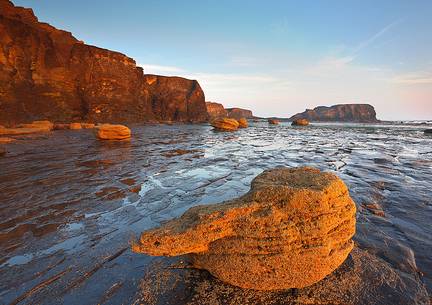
(363, 113)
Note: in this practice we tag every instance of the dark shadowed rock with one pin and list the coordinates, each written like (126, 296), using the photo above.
(363, 113)
(428, 131)
(48, 73)
(290, 230)
(216, 110)
(273, 122)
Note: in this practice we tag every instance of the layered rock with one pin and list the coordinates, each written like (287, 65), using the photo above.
(113, 132)
(225, 124)
(290, 230)
(362, 113)
(238, 113)
(48, 73)
(300, 122)
(216, 110)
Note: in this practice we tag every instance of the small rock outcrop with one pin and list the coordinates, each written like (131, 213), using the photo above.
(300, 122)
(113, 132)
(273, 122)
(361, 113)
(75, 126)
(42, 125)
(293, 228)
(216, 110)
(237, 113)
(225, 124)
(243, 123)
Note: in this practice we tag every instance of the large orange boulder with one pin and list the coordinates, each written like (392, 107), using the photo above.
(75, 126)
(243, 123)
(300, 122)
(293, 228)
(113, 132)
(88, 125)
(225, 124)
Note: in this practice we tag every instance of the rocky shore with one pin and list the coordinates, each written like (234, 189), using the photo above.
(362, 113)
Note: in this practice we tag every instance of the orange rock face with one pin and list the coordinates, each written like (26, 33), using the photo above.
(5, 140)
(290, 230)
(273, 122)
(300, 122)
(225, 124)
(87, 125)
(243, 123)
(42, 125)
(113, 132)
(75, 126)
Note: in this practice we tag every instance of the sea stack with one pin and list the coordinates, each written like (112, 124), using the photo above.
(290, 230)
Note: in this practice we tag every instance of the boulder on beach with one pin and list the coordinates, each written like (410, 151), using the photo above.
(300, 122)
(293, 228)
(113, 132)
(75, 126)
(225, 124)
(273, 122)
(243, 123)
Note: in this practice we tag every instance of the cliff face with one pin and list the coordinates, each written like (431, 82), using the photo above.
(362, 113)
(46, 73)
(216, 110)
(237, 113)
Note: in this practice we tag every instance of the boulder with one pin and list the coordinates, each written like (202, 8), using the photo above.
(243, 123)
(300, 122)
(75, 126)
(113, 132)
(225, 124)
(88, 125)
(273, 122)
(293, 228)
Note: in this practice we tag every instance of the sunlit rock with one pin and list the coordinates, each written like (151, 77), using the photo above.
(273, 122)
(243, 123)
(290, 230)
(225, 124)
(75, 126)
(300, 122)
(42, 125)
(113, 132)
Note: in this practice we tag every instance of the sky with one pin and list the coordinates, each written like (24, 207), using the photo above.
(276, 58)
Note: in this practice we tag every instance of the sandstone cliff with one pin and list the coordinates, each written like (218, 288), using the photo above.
(46, 73)
(362, 113)
(237, 113)
(216, 110)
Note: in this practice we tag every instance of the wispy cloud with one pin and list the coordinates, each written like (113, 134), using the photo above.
(413, 78)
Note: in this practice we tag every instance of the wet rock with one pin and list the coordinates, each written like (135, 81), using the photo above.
(113, 132)
(21, 131)
(75, 126)
(428, 131)
(362, 279)
(273, 122)
(243, 123)
(364, 113)
(293, 228)
(300, 122)
(5, 140)
(42, 125)
(2, 151)
(88, 125)
(225, 124)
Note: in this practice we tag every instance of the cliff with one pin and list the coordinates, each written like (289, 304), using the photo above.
(362, 113)
(216, 110)
(46, 73)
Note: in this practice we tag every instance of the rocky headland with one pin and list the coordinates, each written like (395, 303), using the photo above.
(361, 113)
(46, 73)
(217, 110)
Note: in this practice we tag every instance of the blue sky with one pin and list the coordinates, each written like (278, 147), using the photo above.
(274, 57)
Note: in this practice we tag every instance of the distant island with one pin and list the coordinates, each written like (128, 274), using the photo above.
(360, 113)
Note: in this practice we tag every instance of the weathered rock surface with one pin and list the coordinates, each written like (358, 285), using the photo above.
(225, 124)
(5, 140)
(290, 230)
(300, 122)
(88, 125)
(22, 131)
(273, 122)
(362, 113)
(42, 125)
(237, 113)
(243, 123)
(48, 73)
(75, 126)
(113, 132)
(216, 110)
